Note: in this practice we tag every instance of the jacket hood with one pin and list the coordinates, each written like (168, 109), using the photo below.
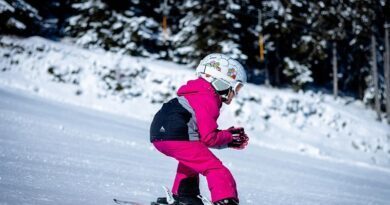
(198, 86)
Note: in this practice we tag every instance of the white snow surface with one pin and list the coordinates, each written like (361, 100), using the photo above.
(56, 153)
(68, 138)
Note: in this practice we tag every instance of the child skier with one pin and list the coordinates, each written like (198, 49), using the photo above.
(186, 127)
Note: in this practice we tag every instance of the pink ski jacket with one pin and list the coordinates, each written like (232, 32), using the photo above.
(206, 104)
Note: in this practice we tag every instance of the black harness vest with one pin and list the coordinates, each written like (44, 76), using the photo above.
(174, 121)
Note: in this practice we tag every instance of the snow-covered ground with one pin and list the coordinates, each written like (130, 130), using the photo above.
(56, 153)
(69, 136)
(309, 123)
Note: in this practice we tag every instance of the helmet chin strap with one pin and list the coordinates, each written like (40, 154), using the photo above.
(224, 98)
(224, 94)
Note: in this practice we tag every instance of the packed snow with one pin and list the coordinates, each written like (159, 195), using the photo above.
(74, 130)
(56, 153)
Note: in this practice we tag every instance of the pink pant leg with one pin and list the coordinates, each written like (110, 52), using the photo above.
(188, 179)
(197, 158)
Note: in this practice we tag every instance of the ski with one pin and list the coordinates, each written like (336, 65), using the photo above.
(118, 201)
(205, 200)
(167, 200)
(123, 202)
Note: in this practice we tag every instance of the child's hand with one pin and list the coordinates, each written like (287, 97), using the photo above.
(240, 139)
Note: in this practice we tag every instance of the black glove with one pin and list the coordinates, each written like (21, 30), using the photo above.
(240, 139)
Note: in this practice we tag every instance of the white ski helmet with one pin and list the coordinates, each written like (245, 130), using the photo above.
(223, 72)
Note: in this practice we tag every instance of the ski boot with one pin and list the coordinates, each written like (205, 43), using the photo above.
(230, 201)
(194, 201)
(160, 201)
(179, 200)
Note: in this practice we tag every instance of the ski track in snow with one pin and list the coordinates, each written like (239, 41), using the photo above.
(54, 153)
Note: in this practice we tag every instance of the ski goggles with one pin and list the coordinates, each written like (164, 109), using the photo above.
(222, 85)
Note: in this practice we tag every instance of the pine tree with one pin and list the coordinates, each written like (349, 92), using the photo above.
(366, 22)
(387, 70)
(287, 41)
(205, 27)
(335, 71)
(118, 27)
(19, 17)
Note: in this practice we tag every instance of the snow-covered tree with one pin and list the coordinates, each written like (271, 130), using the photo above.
(367, 20)
(19, 17)
(207, 26)
(116, 27)
(286, 26)
(298, 73)
(386, 66)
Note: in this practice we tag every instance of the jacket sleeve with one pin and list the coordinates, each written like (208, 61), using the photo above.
(207, 114)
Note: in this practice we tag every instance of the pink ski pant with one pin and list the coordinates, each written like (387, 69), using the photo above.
(194, 159)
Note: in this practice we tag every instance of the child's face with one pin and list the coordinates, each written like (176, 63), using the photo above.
(232, 94)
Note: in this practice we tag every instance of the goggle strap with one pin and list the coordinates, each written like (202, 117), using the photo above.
(216, 74)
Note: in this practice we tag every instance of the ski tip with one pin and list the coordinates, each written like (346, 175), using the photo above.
(117, 201)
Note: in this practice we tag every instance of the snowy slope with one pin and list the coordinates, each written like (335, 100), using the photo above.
(55, 153)
(310, 123)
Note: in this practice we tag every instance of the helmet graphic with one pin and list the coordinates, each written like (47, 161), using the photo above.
(223, 72)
